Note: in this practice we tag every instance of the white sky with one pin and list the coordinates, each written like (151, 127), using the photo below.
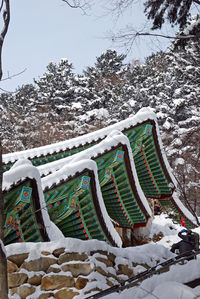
(41, 31)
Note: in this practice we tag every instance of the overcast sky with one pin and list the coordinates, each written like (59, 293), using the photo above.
(41, 31)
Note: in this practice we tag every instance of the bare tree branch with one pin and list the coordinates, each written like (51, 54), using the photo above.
(5, 10)
(6, 21)
(167, 36)
(76, 4)
(117, 7)
(1, 5)
(7, 91)
(9, 77)
(182, 190)
(81, 4)
(12, 76)
(196, 1)
(127, 36)
(130, 33)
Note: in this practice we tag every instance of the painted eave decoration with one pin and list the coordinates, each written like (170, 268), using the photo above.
(88, 186)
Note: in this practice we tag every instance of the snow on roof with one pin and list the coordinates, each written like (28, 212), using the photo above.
(21, 170)
(168, 167)
(113, 139)
(77, 167)
(143, 115)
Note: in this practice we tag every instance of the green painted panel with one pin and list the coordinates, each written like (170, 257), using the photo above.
(20, 220)
(67, 204)
(116, 190)
(71, 207)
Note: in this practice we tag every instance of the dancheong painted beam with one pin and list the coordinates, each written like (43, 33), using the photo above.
(75, 204)
(151, 164)
(130, 169)
(120, 189)
(26, 218)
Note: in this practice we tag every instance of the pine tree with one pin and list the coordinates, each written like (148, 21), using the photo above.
(54, 85)
(106, 79)
(174, 11)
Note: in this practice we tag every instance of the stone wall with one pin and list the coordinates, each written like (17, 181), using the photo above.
(59, 274)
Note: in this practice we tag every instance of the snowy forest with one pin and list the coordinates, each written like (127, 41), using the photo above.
(61, 104)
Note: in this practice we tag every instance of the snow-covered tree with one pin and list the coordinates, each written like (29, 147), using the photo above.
(107, 79)
(5, 14)
(54, 85)
(169, 83)
(176, 12)
(67, 105)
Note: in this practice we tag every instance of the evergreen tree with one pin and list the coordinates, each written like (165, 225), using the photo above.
(54, 85)
(169, 83)
(24, 98)
(174, 11)
(106, 79)
(67, 105)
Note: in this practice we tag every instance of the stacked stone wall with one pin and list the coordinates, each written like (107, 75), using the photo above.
(59, 274)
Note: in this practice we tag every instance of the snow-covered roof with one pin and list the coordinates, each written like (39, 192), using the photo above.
(114, 139)
(69, 170)
(144, 114)
(21, 170)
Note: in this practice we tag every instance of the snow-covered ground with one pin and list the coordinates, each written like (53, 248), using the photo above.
(168, 285)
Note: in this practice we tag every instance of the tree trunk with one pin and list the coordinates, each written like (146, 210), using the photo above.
(5, 11)
(3, 260)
